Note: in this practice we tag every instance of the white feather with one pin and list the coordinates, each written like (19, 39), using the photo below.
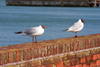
(78, 26)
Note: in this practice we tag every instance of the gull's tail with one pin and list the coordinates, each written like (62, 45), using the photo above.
(65, 30)
(18, 32)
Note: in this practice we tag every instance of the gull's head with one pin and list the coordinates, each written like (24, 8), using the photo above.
(82, 20)
(43, 26)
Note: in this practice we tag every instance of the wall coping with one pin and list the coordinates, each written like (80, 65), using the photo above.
(72, 47)
(48, 43)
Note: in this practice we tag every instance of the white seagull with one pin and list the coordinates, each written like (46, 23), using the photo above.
(78, 26)
(33, 32)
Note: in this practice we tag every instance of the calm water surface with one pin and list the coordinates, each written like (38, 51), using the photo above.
(18, 18)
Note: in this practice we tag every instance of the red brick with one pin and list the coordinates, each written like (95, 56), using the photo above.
(35, 53)
(75, 61)
(98, 66)
(76, 46)
(98, 56)
(96, 43)
(59, 64)
(49, 65)
(45, 50)
(5, 58)
(98, 62)
(60, 48)
(88, 58)
(86, 65)
(25, 54)
(82, 60)
(72, 62)
(54, 49)
(10, 57)
(28, 54)
(93, 64)
(1, 57)
(40, 66)
(21, 55)
(69, 64)
(49, 50)
(57, 49)
(39, 52)
(87, 44)
(64, 65)
(72, 47)
(80, 65)
(18, 57)
(95, 57)
(72, 66)
(68, 47)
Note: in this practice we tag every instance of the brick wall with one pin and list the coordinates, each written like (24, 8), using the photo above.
(83, 51)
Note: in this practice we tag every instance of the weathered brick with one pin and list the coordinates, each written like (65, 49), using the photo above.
(72, 66)
(77, 61)
(98, 63)
(1, 58)
(18, 56)
(21, 55)
(10, 57)
(45, 50)
(76, 46)
(28, 54)
(79, 65)
(72, 46)
(59, 64)
(60, 48)
(35, 53)
(49, 50)
(95, 57)
(64, 65)
(81, 46)
(40, 66)
(72, 61)
(86, 65)
(68, 47)
(25, 54)
(14, 56)
(88, 58)
(48, 65)
(39, 51)
(86, 44)
(98, 56)
(83, 60)
(93, 64)
(54, 49)
(64, 48)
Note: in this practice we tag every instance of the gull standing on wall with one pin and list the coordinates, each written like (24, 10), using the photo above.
(33, 32)
(78, 26)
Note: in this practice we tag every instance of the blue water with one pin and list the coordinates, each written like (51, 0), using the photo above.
(18, 18)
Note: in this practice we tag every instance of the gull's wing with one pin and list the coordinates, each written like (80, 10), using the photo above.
(30, 31)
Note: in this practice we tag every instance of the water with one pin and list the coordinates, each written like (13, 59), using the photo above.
(18, 18)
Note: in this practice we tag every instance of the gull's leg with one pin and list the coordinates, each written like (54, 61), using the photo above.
(76, 34)
(35, 40)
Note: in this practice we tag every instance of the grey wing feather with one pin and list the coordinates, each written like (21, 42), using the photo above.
(29, 31)
(75, 26)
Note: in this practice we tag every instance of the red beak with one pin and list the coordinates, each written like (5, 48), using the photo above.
(46, 27)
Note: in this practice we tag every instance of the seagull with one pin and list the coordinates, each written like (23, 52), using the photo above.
(78, 26)
(33, 32)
